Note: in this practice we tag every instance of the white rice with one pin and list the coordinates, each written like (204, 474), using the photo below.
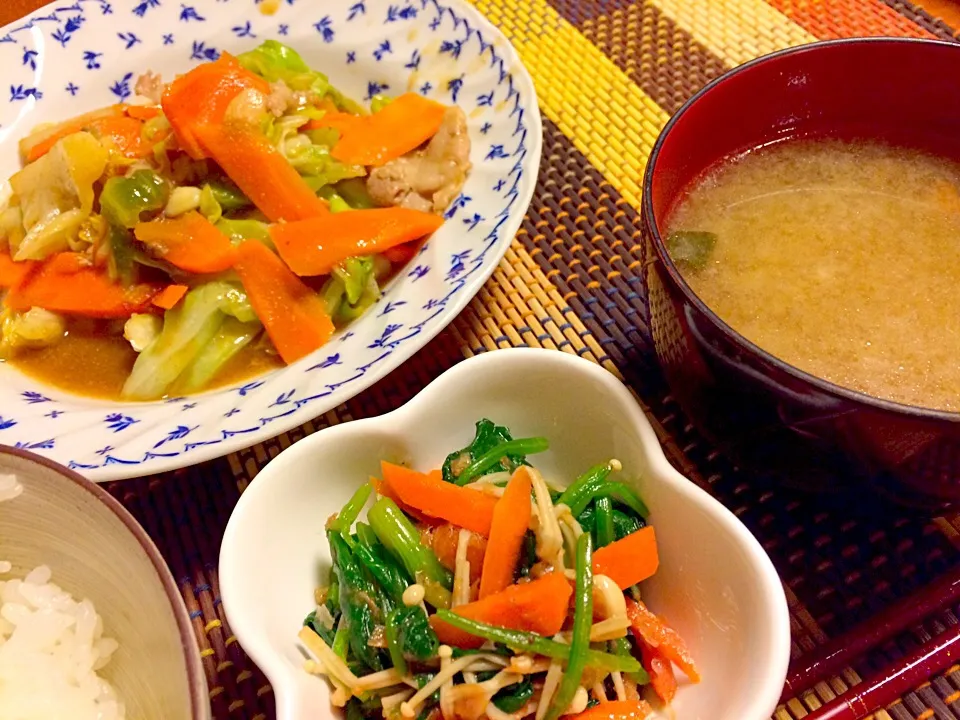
(51, 646)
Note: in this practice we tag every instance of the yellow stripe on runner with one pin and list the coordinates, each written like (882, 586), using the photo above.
(735, 30)
(594, 103)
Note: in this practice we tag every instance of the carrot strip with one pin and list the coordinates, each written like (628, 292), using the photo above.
(401, 126)
(190, 242)
(294, 316)
(401, 254)
(337, 120)
(13, 273)
(617, 710)
(511, 518)
(660, 670)
(143, 112)
(630, 559)
(123, 134)
(461, 506)
(314, 247)
(38, 143)
(655, 632)
(201, 96)
(444, 541)
(539, 606)
(261, 172)
(169, 296)
(66, 263)
(65, 284)
(386, 491)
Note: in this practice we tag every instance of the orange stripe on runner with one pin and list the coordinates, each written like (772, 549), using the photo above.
(832, 19)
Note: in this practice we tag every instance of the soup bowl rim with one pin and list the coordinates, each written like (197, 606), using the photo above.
(196, 678)
(650, 224)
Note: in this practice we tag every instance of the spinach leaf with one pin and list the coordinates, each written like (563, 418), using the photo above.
(528, 553)
(624, 521)
(319, 628)
(416, 636)
(488, 436)
(513, 697)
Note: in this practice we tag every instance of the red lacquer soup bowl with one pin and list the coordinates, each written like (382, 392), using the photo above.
(762, 412)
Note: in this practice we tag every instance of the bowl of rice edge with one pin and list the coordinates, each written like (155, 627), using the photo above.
(92, 625)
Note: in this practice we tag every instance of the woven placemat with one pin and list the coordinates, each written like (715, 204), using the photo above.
(572, 281)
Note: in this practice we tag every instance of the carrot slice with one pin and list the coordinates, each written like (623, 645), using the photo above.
(262, 173)
(660, 670)
(294, 316)
(337, 120)
(630, 559)
(314, 247)
(655, 632)
(123, 134)
(617, 710)
(386, 491)
(38, 143)
(169, 296)
(464, 507)
(511, 518)
(143, 112)
(65, 284)
(444, 540)
(401, 254)
(201, 96)
(401, 126)
(190, 242)
(539, 606)
(66, 263)
(13, 273)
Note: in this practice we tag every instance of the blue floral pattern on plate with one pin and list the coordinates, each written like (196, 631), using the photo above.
(70, 57)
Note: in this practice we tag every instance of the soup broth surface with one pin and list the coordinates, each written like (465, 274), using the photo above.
(842, 259)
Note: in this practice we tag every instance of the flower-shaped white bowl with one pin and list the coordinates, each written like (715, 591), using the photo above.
(69, 58)
(715, 583)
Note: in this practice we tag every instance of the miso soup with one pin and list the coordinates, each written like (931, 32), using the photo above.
(841, 259)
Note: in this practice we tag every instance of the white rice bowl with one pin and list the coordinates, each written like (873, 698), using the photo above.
(51, 647)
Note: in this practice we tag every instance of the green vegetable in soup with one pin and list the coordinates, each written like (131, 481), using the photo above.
(691, 247)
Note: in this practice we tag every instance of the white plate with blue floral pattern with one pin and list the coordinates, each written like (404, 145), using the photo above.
(70, 57)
